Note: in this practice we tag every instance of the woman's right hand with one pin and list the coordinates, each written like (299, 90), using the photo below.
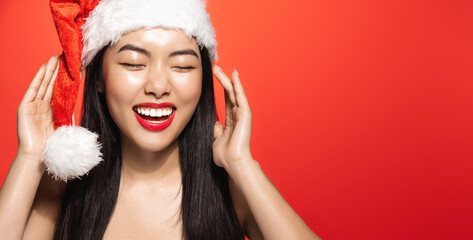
(35, 113)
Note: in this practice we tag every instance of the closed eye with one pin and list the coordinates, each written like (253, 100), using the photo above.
(184, 69)
(133, 66)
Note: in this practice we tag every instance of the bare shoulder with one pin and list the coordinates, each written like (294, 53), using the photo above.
(44, 212)
(243, 212)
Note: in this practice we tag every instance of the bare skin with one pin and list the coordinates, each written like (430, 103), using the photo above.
(35, 125)
(150, 190)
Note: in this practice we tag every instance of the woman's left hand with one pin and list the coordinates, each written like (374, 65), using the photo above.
(232, 143)
(231, 150)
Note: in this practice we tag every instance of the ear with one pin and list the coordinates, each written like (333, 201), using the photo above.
(99, 87)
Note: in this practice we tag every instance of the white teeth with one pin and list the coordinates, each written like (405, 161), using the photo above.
(154, 112)
(151, 121)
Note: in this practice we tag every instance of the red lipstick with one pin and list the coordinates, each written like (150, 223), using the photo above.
(153, 126)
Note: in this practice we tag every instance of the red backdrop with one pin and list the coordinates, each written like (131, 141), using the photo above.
(362, 109)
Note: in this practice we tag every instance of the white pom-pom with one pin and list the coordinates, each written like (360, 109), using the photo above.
(71, 152)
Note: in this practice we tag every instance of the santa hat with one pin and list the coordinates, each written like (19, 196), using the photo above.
(84, 28)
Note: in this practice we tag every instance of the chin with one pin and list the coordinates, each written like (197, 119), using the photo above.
(156, 145)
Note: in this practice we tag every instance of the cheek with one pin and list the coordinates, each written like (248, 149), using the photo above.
(188, 89)
(120, 91)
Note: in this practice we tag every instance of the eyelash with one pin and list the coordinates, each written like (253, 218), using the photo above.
(185, 68)
(138, 66)
(131, 65)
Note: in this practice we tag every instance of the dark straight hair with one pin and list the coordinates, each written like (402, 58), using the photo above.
(207, 210)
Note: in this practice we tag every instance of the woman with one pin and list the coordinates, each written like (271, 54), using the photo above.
(169, 170)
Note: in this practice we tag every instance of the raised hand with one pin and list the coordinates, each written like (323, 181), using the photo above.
(232, 143)
(35, 114)
(274, 218)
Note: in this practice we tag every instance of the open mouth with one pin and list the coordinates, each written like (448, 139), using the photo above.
(154, 115)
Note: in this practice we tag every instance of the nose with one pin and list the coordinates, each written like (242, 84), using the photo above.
(157, 82)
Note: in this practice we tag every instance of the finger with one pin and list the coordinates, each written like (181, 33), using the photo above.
(32, 90)
(218, 130)
(229, 114)
(240, 95)
(50, 68)
(228, 105)
(49, 93)
(226, 83)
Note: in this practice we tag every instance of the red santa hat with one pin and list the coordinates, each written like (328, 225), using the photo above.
(84, 28)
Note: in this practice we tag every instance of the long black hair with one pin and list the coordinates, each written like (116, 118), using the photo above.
(207, 210)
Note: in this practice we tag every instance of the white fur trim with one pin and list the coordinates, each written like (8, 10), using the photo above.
(71, 152)
(110, 19)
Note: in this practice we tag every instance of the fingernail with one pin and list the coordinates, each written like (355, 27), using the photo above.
(217, 67)
(236, 72)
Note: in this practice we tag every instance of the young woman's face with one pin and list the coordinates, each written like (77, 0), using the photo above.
(153, 81)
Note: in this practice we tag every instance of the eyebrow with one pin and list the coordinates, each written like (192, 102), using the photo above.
(135, 48)
(147, 53)
(184, 52)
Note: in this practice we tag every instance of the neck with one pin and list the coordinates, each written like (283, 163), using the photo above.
(139, 166)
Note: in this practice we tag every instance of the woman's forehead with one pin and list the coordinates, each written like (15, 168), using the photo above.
(156, 38)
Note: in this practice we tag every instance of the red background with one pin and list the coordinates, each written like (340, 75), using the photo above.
(362, 109)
